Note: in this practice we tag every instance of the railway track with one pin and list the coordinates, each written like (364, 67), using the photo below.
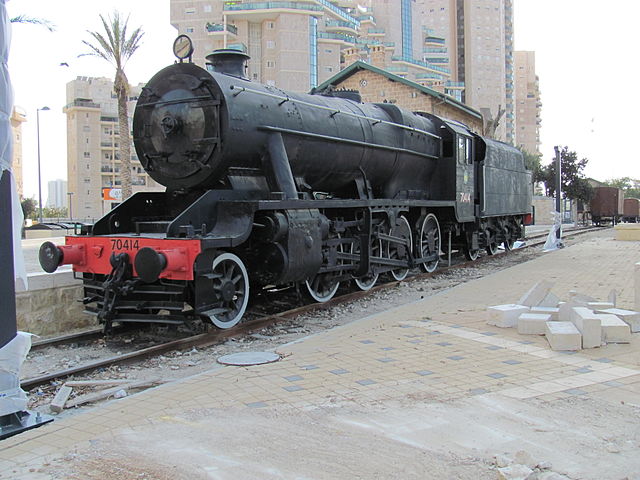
(257, 320)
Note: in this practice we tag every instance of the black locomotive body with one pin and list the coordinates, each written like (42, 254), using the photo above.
(266, 187)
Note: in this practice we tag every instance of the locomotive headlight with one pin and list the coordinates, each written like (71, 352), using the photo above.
(182, 47)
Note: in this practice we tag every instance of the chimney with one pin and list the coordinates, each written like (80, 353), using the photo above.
(228, 61)
(351, 55)
(378, 56)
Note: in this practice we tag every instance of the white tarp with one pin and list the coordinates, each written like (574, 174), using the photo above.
(553, 242)
(12, 355)
(6, 140)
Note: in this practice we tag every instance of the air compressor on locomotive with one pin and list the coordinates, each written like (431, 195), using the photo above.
(267, 187)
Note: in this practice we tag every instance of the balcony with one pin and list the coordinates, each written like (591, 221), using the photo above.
(339, 26)
(221, 29)
(454, 85)
(437, 60)
(434, 50)
(260, 11)
(429, 76)
(419, 63)
(398, 69)
(83, 104)
(336, 38)
(375, 32)
(339, 12)
(367, 19)
(434, 40)
(106, 169)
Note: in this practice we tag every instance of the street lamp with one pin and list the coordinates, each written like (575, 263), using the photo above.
(44, 109)
(70, 210)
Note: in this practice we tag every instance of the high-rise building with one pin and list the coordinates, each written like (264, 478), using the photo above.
(298, 45)
(93, 155)
(480, 32)
(56, 193)
(18, 116)
(527, 102)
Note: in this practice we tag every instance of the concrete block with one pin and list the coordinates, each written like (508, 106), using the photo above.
(589, 326)
(505, 316)
(551, 300)
(613, 297)
(536, 294)
(600, 305)
(533, 323)
(563, 336)
(553, 311)
(577, 297)
(565, 311)
(630, 317)
(614, 330)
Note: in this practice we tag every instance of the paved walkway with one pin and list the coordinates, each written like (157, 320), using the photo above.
(433, 351)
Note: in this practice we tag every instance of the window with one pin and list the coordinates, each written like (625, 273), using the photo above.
(86, 128)
(271, 44)
(328, 50)
(464, 150)
(87, 155)
(189, 29)
(271, 64)
(271, 25)
(189, 10)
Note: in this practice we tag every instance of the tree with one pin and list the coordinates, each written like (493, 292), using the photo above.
(117, 48)
(28, 207)
(533, 162)
(574, 184)
(34, 21)
(630, 186)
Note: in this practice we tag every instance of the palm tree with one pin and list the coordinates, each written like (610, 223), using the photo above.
(34, 21)
(116, 48)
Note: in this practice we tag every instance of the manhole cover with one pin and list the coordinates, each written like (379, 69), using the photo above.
(249, 358)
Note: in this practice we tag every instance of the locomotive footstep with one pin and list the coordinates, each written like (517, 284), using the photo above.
(248, 358)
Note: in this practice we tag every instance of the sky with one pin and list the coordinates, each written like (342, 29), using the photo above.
(586, 58)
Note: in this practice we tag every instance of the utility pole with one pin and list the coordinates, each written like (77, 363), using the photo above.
(558, 191)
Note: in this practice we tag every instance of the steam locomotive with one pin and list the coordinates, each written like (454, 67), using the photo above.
(268, 188)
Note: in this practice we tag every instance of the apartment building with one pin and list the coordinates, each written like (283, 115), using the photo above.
(527, 102)
(18, 116)
(298, 45)
(57, 194)
(479, 34)
(93, 156)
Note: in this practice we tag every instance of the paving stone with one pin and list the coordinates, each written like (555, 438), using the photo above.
(293, 378)
(387, 348)
(386, 360)
(256, 405)
(478, 391)
(630, 317)
(505, 316)
(455, 357)
(589, 326)
(366, 342)
(366, 381)
(604, 360)
(613, 383)
(310, 367)
(443, 344)
(614, 330)
(583, 370)
(494, 347)
(575, 391)
(563, 336)
(536, 294)
(496, 375)
(533, 323)
(488, 334)
(293, 388)
(424, 373)
(340, 371)
(512, 362)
